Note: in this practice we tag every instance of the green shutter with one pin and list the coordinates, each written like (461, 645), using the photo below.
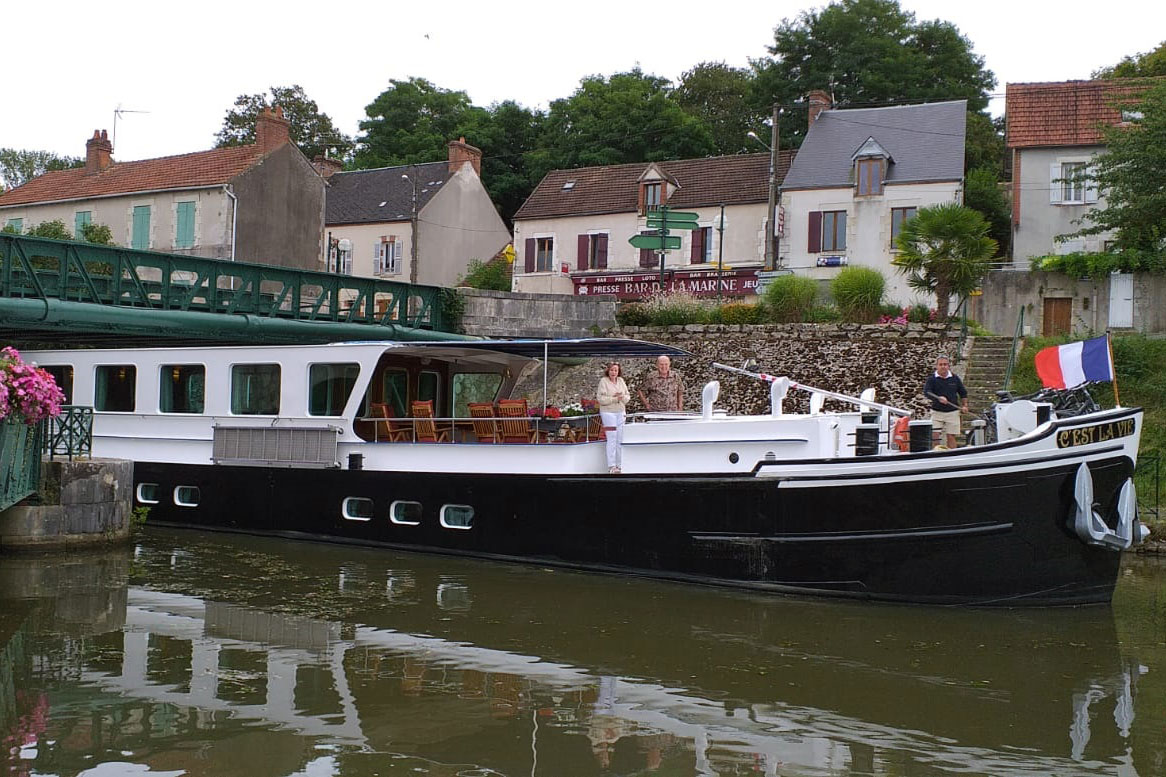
(141, 235)
(184, 238)
(80, 219)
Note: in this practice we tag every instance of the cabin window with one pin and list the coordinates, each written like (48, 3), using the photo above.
(429, 387)
(63, 376)
(473, 387)
(357, 508)
(457, 516)
(255, 389)
(182, 388)
(395, 391)
(329, 386)
(115, 388)
(147, 493)
(187, 496)
(407, 513)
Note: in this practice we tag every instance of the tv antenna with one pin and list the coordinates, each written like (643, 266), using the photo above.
(118, 112)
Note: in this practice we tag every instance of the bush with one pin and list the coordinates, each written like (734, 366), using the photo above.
(676, 307)
(739, 313)
(920, 314)
(790, 297)
(823, 314)
(54, 229)
(858, 293)
(493, 275)
(96, 233)
(632, 314)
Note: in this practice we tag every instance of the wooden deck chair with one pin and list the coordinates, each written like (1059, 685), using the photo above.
(516, 424)
(595, 428)
(426, 429)
(485, 427)
(389, 430)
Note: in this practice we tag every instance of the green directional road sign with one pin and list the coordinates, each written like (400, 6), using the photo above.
(672, 219)
(655, 242)
(673, 215)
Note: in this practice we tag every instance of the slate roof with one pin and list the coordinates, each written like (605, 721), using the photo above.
(185, 171)
(371, 196)
(728, 180)
(1066, 113)
(926, 142)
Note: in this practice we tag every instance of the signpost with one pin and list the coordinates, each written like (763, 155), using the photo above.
(663, 221)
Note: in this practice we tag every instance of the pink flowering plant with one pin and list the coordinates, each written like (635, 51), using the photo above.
(27, 392)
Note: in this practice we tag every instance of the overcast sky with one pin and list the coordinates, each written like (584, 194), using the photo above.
(68, 65)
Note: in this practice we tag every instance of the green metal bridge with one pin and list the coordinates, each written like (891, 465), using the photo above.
(55, 291)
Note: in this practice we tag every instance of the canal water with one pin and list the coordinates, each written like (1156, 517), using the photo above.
(210, 654)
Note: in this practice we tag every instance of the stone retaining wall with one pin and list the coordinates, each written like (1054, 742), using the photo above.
(515, 314)
(83, 503)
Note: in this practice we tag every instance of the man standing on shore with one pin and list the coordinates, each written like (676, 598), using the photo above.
(662, 390)
(948, 398)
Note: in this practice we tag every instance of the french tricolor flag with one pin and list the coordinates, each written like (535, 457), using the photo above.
(1068, 366)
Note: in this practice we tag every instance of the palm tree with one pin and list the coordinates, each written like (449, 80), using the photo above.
(945, 250)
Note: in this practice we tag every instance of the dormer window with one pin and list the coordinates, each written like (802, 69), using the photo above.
(653, 195)
(869, 176)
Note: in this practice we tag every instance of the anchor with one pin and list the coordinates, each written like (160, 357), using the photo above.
(1090, 526)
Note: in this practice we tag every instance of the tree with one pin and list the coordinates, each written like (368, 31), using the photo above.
(506, 133)
(628, 117)
(720, 97)
(96, 233)
(1130, 173)
(18, 166)
(945, 250)
(1151, 63)
(869, 52)
(54, 229)
(311, 130)
(411, 122)
(982, 193)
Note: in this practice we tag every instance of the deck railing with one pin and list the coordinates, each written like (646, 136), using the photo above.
(567, 429)
(71, 433)
(19, 460)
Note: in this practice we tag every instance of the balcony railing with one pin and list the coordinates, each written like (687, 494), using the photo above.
(71, 433)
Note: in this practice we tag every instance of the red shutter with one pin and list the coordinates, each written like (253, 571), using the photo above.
(640, 202)
(584, 243)
(529, 254)
(601, 251)
(697, 255)
(815, 231)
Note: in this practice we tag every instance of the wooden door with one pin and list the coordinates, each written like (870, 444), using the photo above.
(1058, 316)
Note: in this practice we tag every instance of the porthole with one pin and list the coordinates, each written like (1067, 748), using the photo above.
(357, 508)
(147, 493)
(457, 516)
(407, 513)
(734, 458)
(187, 496)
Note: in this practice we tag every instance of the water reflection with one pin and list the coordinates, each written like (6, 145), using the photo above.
(207, 654)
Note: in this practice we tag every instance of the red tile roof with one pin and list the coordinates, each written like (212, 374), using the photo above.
(728, 180)
(1066, 113)
(201, 168)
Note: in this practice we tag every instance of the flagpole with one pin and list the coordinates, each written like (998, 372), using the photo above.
(1112, 366)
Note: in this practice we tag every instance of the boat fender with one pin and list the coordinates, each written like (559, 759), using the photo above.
(901, 434)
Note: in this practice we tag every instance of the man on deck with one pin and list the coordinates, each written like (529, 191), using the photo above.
(948, 399)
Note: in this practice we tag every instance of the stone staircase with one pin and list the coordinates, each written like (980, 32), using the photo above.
(983, 371)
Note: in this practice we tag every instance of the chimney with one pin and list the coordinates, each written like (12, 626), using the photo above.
(819, 101)
(461, 152)
(271, 129)
(98, 153)
(325, 166)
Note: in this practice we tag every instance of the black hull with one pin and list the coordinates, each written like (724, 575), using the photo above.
(999, 539)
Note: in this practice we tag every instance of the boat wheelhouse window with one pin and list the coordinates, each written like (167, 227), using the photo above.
(187, 496)
(115, 388)
(408, 513)
(147, 493)
(473, 387)
(395, 391)
(63, 376)
(255, 389)
(357, 508)
(182, 388)
(429, 387)
(457, 516)
(329, 386)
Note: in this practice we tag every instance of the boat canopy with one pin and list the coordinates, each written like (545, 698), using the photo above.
(588, 347)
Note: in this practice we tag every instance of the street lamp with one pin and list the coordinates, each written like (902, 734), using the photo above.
(412, 230)
(771, 245)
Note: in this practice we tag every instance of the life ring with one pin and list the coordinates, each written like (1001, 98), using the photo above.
(901, 434)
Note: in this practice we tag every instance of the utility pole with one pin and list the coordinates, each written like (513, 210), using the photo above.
(771, 212)
(412, 228)
(720, 250)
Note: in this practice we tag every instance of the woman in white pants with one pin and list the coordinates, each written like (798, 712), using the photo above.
(613, 397)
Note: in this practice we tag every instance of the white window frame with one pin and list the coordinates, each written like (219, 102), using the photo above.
(387, 255)
(197, 492)
(448, 525)
(393, 512)
(1083, 192)
(139, 494)
(349, 501)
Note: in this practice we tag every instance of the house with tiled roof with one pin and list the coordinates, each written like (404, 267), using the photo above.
(859, 175)
(1053, 131)
(262, 202)
(571, 235)
(420, 223)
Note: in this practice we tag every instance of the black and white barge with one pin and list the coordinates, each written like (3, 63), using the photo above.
(318, 442)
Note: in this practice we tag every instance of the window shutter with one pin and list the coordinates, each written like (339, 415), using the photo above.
(640, 202)
(397, 256)
(697, 255)
(601, 251)
(584, 243)
(1090, 184)
(815, 241)
(528, 253)
(1055, 182)
(378, 257)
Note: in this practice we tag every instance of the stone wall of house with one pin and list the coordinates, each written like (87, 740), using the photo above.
(839, 357)
(515, 314)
